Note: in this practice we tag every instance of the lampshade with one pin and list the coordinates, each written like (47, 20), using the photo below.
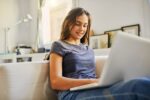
(27, 18)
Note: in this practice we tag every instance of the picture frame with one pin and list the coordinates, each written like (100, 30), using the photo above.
(111, 35)
(132, 29)
(99, 41)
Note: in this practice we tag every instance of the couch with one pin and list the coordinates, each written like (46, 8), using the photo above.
(100, 60)
(30, 81)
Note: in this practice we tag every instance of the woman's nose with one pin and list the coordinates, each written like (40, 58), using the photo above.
(81, 27)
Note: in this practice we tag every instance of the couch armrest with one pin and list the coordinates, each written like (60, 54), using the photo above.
(100, 60)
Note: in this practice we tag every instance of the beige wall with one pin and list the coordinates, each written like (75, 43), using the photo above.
(11, 12)
(113, 14)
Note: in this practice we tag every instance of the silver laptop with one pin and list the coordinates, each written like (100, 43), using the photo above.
(128, 59)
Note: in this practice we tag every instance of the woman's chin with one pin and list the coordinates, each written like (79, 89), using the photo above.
(79, 37)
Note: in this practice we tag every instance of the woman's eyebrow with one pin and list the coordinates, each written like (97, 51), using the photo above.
(80, 22)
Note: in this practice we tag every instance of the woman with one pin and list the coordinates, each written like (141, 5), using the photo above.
(72, 64)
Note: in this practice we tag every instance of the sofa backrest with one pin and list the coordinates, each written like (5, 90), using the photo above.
(30, 81)
(23, 81)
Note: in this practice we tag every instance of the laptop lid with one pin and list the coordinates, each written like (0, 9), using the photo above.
(128, 59)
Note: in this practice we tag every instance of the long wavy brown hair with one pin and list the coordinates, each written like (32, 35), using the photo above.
(70, 20)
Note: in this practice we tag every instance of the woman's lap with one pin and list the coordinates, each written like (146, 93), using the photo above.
(137, 89)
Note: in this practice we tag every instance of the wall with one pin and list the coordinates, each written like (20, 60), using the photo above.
(112, 14)
(106, 15)
(147, 18)
(8, 12)
(11, 12)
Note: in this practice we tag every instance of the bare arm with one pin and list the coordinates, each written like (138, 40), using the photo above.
(59, 82)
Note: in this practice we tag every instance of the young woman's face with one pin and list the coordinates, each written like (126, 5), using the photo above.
(80, 27)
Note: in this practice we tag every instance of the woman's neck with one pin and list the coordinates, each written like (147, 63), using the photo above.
(74, 42)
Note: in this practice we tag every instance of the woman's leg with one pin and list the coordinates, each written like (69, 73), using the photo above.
(136, 89)
(77, 95)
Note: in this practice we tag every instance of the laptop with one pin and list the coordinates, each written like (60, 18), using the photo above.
(128, 59)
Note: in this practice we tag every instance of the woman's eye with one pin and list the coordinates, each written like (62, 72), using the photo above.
(77, 24)
(85, 25)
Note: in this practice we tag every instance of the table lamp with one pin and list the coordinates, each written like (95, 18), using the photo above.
(27, 18)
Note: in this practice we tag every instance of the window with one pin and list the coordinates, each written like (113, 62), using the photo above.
(52, 15)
